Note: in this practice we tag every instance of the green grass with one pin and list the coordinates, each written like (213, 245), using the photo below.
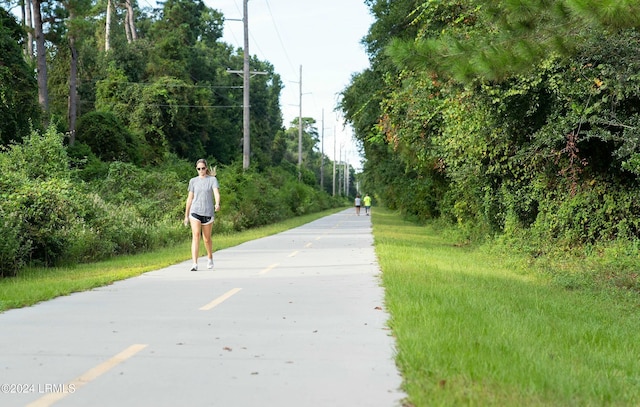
(34, 285)
(479, 329)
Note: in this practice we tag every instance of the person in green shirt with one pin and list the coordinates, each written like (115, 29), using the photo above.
(367, 203)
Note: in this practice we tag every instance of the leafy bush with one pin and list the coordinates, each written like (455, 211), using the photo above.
(13, 246)
(154, 195)
(39, 156)
(47, 218)
(107, 137)
(87, 165)
(39, 202)
(252, 201)
(52, 210)
(597, 212)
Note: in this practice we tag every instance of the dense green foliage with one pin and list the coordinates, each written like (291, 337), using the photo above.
(49, 215)
(165, 91)
(18, 89)
(511, 118)
(107, 137)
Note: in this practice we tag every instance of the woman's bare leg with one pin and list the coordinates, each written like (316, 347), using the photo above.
(196, 230)
(206, 236)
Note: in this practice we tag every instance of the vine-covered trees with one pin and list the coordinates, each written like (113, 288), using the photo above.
(504, 116)
(163, 75)
(18, 87)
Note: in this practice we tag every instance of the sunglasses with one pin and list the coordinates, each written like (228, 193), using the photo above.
(201, 168)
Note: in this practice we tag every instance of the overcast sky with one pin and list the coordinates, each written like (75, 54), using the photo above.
(322, 36)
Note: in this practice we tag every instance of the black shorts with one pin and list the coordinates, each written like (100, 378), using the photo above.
(205, 220)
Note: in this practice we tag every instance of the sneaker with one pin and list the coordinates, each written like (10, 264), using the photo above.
(194, 267)
(210, 264)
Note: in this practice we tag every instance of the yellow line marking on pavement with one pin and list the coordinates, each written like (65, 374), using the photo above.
(308, 245)
(268, 269)
(220, 299)
(88, 376)
(294, 253)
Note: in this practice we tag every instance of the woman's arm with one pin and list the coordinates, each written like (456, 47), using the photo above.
(216, 197)
(187, 208)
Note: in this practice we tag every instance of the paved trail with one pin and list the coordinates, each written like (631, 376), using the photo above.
(294, 319)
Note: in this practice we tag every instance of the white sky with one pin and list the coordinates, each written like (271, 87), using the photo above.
(322, 36)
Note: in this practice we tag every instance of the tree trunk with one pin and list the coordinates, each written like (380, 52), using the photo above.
(130, 21)
(29, 28)
(107, 31)
(127, 29)
(41, 57)
(25, 9)
(73, 88)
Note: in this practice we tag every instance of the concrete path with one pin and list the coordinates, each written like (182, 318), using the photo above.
(294, 319)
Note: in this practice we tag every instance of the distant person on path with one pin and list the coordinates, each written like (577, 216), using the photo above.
(367, 204)
(202, 203)
(358, 203)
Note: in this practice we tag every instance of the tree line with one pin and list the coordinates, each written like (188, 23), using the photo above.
(160, 75)
(104, 107)
(519, 119)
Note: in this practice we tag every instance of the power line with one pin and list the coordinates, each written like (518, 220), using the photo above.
(151, 6)
(255, 42)
(263, 55)
(87, 102)
(235, 19)
(180, 86)
(194, 106)
(275, 26)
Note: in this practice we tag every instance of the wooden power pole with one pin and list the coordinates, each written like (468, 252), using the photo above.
(246, 75)
(246, 141)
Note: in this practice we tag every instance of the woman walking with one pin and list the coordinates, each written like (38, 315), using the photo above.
(203, 202)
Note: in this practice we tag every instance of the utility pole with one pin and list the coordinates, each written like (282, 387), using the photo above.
(346, 175)
(322, 154)
(334, 161)
(246, 75)
(300, 131)
(340, 175)
(246, 140)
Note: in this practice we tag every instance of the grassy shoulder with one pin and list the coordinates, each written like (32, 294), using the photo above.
(480, 328)
(34, 285)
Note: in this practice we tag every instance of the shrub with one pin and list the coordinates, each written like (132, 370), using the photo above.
(107, 137)
(13, 246)
(87, 165)
(153, 194)
(39, 157)
(597, 212)
(51, 210)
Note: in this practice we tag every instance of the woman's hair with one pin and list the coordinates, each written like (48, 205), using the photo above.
(210, 171)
